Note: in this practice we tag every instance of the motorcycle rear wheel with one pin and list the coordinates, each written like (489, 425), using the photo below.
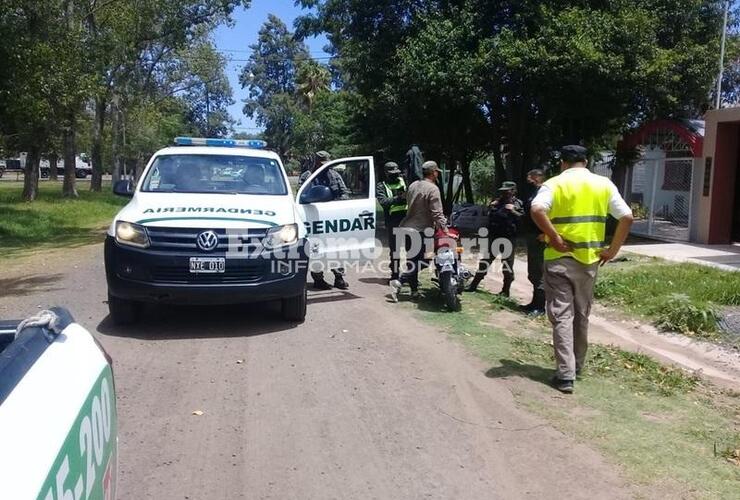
(448, 287)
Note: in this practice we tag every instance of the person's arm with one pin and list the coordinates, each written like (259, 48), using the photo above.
(620, 236)
(540, 207)
(618, 209)
(382, 195)
(553, 238)
(435, 205)
(337, 185)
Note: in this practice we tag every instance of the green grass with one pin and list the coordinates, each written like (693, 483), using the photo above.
(663, 426)
(676, 297)
(53, 221)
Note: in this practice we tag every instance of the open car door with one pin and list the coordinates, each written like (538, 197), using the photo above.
(337, 203)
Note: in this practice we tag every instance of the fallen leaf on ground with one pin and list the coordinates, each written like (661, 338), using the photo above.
(197, 413)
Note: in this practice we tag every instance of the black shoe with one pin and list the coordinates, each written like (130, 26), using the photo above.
(321, 285)
(564, 386)
(527, 308)
(535, 312)
(340, 283)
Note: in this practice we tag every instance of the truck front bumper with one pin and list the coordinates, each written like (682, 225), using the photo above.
(149, 276)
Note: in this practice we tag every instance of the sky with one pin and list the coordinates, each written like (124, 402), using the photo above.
(233, 42)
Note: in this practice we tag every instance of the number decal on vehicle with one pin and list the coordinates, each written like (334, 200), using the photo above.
(78, 472)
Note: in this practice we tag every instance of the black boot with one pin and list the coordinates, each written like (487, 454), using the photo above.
(538, 303)
(319, 283)
(340, 283)
(473, 286)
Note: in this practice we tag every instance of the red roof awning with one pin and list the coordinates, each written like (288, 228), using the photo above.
(640, 135)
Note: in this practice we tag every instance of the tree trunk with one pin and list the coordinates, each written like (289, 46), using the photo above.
(53, 168)
(469, 197)
(115, 145)
(69, 189)
(138, 168)
(96, 154)
(499, 173)
(447, 202)
(31, 174)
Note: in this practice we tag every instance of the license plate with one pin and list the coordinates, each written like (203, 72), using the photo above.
(207, 264)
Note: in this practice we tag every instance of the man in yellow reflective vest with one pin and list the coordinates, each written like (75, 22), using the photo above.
(571, 210)
(391, 195)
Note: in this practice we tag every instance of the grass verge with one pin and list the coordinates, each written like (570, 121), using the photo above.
(663, 426)
(685, 298)
(52, 221)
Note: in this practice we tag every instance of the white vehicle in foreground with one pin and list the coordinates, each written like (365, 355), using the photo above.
(58, 425)
(214, 221)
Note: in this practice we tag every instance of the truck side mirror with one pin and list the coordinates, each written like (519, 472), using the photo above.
(316, 194)
(124, 188)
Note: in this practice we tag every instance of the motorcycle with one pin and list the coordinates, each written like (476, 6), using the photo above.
(450, 273)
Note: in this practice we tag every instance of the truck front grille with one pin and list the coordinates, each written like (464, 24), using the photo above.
(180, 239)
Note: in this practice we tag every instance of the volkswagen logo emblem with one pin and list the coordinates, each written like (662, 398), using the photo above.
(207, 241)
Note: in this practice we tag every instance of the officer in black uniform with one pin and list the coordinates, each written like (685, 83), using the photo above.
(503, 222)
(391, 195)
(535, 247)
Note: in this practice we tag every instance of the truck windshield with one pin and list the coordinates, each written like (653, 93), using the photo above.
(216, 174)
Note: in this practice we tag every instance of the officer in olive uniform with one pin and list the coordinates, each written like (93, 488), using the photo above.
(535, 247)
(391, 195)
(503, 222)
(335, 183)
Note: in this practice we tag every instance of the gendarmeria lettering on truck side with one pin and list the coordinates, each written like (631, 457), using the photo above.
(208, 210)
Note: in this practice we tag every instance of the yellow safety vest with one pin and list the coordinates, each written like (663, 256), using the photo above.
(580, 207)
(389, 188)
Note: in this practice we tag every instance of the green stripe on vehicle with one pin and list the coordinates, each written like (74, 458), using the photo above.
(233, 219)
(85, 465)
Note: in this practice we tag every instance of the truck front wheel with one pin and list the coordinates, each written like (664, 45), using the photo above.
(123, 312)
(294, 308)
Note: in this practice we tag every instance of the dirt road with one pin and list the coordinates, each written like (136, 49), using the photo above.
(361, 401)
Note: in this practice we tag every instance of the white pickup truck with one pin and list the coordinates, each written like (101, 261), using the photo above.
(58, 426)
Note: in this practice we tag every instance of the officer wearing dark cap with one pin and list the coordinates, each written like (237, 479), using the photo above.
(571, 209)
(504, 214)
(331, 179)
(391, 195)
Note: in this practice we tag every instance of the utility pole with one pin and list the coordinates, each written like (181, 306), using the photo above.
(208, 110)
(722, 57)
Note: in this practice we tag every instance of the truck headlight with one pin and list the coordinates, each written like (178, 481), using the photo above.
(128, 233)
(281, 235)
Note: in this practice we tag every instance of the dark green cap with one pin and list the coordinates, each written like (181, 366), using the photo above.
(392, 168)
(323, 156)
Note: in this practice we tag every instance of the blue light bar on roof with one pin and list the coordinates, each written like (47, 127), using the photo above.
(224, 143)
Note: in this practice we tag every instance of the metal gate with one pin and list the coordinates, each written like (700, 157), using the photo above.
(660, 196)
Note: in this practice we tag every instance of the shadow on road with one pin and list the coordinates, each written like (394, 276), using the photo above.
(331, 296)
(511, 368)
(29, 285)
(168, 322)
(374, 281)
